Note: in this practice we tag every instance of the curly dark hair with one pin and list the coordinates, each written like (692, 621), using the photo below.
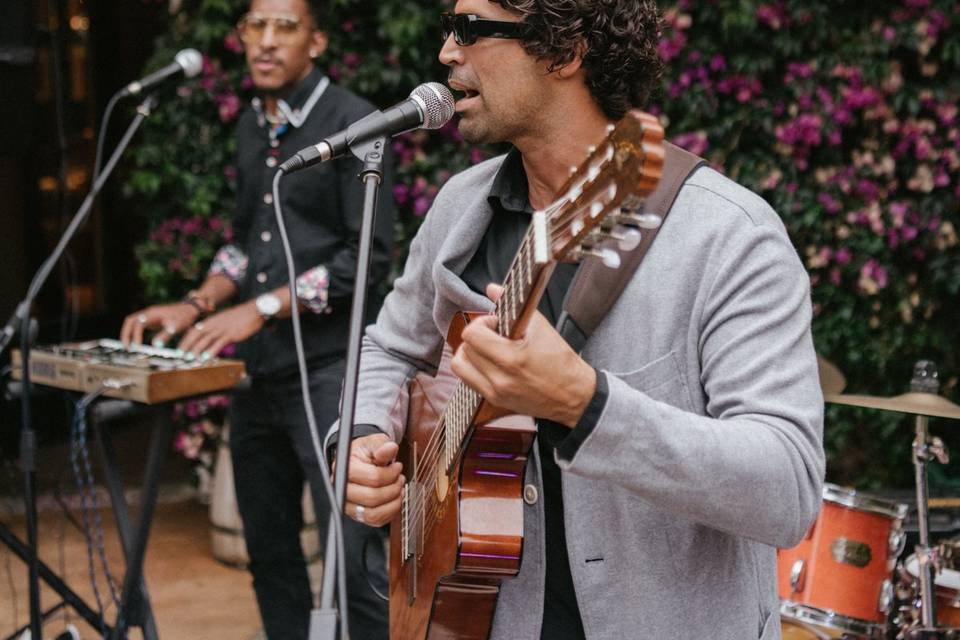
(318, 11)
(619, 37)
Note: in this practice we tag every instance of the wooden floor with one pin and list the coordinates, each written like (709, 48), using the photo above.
(194, 597)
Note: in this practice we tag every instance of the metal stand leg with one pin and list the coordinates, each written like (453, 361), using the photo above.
(159, 442)
(925, 380)
(52, 579)
(925, 555)
(139, 611)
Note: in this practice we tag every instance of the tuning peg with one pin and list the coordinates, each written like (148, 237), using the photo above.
(609, 257)
(642, 220)
(627, 238)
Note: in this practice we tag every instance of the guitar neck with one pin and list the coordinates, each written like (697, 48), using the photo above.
(523, 287)
(596, 204)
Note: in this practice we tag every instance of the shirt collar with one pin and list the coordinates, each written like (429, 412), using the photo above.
(295, 109)
(510, 189)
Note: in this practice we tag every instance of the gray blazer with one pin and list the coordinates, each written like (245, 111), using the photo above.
(708, 454)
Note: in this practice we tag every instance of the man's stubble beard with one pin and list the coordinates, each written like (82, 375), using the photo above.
(488, 129)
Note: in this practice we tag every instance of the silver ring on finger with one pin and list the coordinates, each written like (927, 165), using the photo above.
(358, 514)
(198, 326)
(142, 318)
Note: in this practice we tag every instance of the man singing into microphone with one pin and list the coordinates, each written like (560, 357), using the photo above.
(683, 444)
(270, 440)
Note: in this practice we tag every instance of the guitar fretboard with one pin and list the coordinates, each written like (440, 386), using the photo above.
(518, 285)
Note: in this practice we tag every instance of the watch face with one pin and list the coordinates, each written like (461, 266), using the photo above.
(268, 305)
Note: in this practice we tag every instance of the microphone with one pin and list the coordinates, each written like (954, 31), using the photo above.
(430, 106)
(187, 60)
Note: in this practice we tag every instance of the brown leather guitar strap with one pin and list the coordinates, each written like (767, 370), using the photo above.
(595, 287)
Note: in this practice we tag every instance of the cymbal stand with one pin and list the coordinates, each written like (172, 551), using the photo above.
(925, 449)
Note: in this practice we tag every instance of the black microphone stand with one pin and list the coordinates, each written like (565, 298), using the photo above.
(323, 622)
(28, 438)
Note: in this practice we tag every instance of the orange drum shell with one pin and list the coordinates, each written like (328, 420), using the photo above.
(841, 587)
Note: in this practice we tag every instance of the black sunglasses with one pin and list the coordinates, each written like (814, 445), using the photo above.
(467, 27)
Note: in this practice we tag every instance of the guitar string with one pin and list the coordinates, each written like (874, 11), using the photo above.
(434, 442)
(427, 469)
(425, 499)
(434, 505)
(428, 466)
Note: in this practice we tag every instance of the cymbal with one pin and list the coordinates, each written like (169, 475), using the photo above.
(924, 404)
(831, 380)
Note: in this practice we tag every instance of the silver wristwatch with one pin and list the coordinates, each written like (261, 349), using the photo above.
(268, 306)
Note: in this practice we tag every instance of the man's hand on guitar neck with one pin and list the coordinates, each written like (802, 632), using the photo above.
(538, 375)
(373, 480)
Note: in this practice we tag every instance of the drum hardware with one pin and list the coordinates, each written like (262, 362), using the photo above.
(837, 580)
(797, 574)
(923, 401)
(839, 626)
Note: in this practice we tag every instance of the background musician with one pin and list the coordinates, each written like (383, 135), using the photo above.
(270, 441)
(685, 442)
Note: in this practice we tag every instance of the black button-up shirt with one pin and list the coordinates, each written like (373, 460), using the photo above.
(509, 199)
(322, 208)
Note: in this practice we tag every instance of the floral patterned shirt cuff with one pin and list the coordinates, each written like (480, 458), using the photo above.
(313, 288)
(229, 262)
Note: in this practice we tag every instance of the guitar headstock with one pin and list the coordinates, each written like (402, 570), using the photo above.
(601, 200)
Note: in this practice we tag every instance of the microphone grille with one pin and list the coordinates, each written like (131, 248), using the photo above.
(190, 60)
(437, 103)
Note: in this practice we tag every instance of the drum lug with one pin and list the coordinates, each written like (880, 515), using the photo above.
(898, 540)
(797, 574)
(885, 602)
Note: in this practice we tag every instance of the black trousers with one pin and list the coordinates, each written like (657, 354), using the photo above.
(272, 454)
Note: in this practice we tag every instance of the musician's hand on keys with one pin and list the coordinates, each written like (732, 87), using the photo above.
(207, 338)
(539, 375)
(374, 482)
(167, 319)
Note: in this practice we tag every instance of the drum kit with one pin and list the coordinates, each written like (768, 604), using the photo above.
(844, 579)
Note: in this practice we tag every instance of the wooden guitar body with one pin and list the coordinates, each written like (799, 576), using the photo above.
(450, 590)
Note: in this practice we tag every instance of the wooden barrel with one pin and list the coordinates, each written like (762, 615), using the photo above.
(226, 527)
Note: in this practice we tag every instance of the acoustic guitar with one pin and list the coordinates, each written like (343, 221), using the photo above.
(459, 533)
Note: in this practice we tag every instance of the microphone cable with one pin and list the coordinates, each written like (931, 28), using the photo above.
(335, 510)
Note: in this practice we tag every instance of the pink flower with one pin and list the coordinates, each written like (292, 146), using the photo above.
(695, 142)
(191, 409)
(232, 43)
(229, 107)
(772, 15)
(873, 277)
(829, 203)
(420, 206)
(843, 256)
